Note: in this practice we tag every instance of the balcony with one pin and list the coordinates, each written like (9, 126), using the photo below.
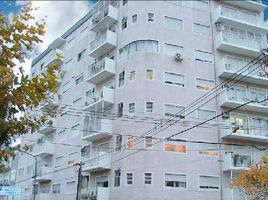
(236, 44)
(105, 18)
(100, 71)
(97, 163)
(51, 57)
(96, 129)
(229, 66)
(102, 44)
(99, 193)
(236, 162)
(235, 17)
(44, 172)
(43, 148)
(238, 95)
(103, 98)
(48, 127)
(51, 104)
(254, 5)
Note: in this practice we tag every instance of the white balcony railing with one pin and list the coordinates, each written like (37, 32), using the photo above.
(97, 193)
(48, 126)
(101, 38)
(43, 148)
(99, 71)
(103, 94)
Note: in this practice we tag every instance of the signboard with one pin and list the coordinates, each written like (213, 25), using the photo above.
(10, 190)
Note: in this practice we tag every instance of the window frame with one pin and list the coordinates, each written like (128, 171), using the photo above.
(133, 109)
(172, 84)
(147, 172)
(200, 24)
(136, 19)
(176, 188)
(146, 70)
(204, 79)
(203, 61)
(66, 187)
(152, 107)
(60, 188)
(126, 180)
(147, 18)
(164, 23)
(175, 152)
(209, 190)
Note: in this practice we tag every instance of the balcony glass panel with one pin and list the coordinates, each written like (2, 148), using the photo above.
(241, 160)
(237, 93)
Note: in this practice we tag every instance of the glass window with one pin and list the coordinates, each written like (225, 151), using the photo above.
(178, 147)
(73, 158)
(149, 74)
(131, 108)
(174, 79)
(132, 75)
(59, 161)
(149, 107)
(79, 79)
(172, 50)
(173, 23)
(134, 18)
(201, 29)
(257, 94)
(121, 79)
(70, 187)
(209, 182)
(118, 142)
(130, 142)
(120, 107)
(150, 17)
(148, 141)
(203, 56)
(208, 150)
(205, 114)
(65, 87)
(117, 175)
(129, 177)
(200, 5)
(174, 110)
(85, 152)
(81, 55)
(239, 124)
(175, 180)
(148, 178)
(204, 84)
(124, 23)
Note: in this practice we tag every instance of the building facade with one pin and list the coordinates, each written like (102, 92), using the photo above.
(128, 67)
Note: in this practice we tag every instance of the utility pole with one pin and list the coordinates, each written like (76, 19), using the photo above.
(79, 180)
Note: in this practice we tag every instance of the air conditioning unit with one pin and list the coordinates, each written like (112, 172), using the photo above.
(178, 57)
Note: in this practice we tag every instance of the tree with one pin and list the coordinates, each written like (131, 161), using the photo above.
(254, 182)
(20, 94)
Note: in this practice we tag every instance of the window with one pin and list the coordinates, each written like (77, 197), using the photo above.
(121, 79)
(203, 56)
(173, 23)
(205, 114)
(129, 178)
(77, 101)
(29, 169)
(132, 75)
(149, 74)
(130, 142)
(120, 107)
(148, 178)
(81, 55)
(150, 17)
(131, 108)
(174, 110)
(117, 175)
(200, 5)
(56, 188)
(124, 23)
(59, 162)
(208, 150)
(75, 130)
(149, 107)
(201, 29)
(85, 152)
(79, 79)
(149, 46)
(148, 141)
(209, 182)
(73, 158)
(174, 79)
(21, 171)
(61, 135)
(70, 187)
(204, 84)
(175, 180)
(70, 43)
(125, 2)
(65, 87)
(118, 142)
(257, 95)
(178, 147)
(172, 50)
(134, 18)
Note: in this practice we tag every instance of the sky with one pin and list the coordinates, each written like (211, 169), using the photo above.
(59, 17)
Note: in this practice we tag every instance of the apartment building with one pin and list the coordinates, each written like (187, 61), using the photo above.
(130, 65)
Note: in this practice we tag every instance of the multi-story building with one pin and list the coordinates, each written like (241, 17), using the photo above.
(130, 65)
